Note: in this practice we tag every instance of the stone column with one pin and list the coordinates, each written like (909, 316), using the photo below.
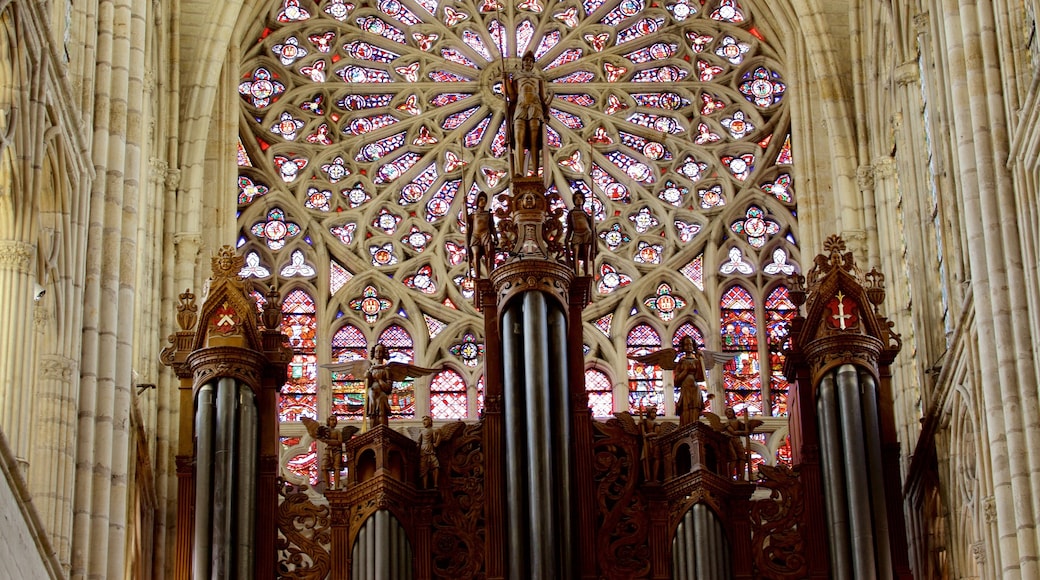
(52, 477)
(17, 280)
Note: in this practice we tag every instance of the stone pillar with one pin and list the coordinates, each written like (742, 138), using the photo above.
(17, 279)
(52, 476)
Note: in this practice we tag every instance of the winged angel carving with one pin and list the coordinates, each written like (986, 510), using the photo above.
(689, 372)
(333, 438)
(739, 432)
(429, 440)
(380, 376)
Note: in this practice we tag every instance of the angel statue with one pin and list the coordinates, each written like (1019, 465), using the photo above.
(429, 440)
(688, 374)
(647, 432)
(651, 455)
(333, 438)
(380, 376)
(739, 432)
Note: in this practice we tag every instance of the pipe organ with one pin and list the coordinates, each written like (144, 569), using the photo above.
(536, 488)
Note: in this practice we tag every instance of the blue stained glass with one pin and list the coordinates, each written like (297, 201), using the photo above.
(664, 74)
(642, 28)
(581, 99)
(361, 74)
(442, 76)
(370, 52)
(443, 99)
(569, 120)
(376, 25)
(356, 102)
(625, 9)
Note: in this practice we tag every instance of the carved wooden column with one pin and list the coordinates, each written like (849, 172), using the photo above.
(493, 441)
(230, 370)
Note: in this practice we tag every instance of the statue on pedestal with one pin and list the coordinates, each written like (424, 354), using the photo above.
(581, 237)
(380, 376)
(481, 237)
(688, 376)
(429, 440)
(333, 438)
(528, 102)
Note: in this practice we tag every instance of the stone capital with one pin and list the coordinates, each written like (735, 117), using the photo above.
(57, 368)
(17, 256)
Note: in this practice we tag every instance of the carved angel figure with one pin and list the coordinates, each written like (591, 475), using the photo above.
(333, 438)
(651, 454)
(739, 431)
(429, 440)
(688, 374)
(380, 376)
(648, 431)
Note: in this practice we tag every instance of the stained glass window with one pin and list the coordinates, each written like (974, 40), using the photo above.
(600, 392)
(348, 391)
(448, 396)
(362, 125)
(644, 380)
(299, 395)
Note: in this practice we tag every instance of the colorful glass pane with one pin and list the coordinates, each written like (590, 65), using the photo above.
(600, 393)
(448, 396)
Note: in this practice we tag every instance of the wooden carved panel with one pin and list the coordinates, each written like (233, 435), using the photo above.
(458, 518)
(304, 535)
(776, 541)
(622, 543)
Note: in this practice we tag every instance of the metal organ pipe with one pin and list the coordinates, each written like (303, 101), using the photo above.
(833, 478)
(516, 488)
(223, 478)
(871, 422)
(246, 473)
(539, 423)
(857, 482)
(561, 437)
(205, 408)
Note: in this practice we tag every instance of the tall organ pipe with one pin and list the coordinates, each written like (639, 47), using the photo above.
(539, 424)
(871, 422)
(833, 478)
(858, 491)
(205, 408)
(560, 409)
(516, 488)
(222, 492)
(248, 450)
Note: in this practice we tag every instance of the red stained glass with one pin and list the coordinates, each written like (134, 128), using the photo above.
(448, 396)
(600, 392)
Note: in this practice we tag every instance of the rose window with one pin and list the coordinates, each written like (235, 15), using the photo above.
(369, 128)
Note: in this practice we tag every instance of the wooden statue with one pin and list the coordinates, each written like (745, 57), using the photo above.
(380, 376)
(581, 237)
(529, 108)
(429, 440)
(739, 432)
(481, 236)
(689, 373)
(333, 438)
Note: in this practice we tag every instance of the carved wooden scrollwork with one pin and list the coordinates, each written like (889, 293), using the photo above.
(776, 541)
(458, 519)
(304, 535)
(622, 541)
